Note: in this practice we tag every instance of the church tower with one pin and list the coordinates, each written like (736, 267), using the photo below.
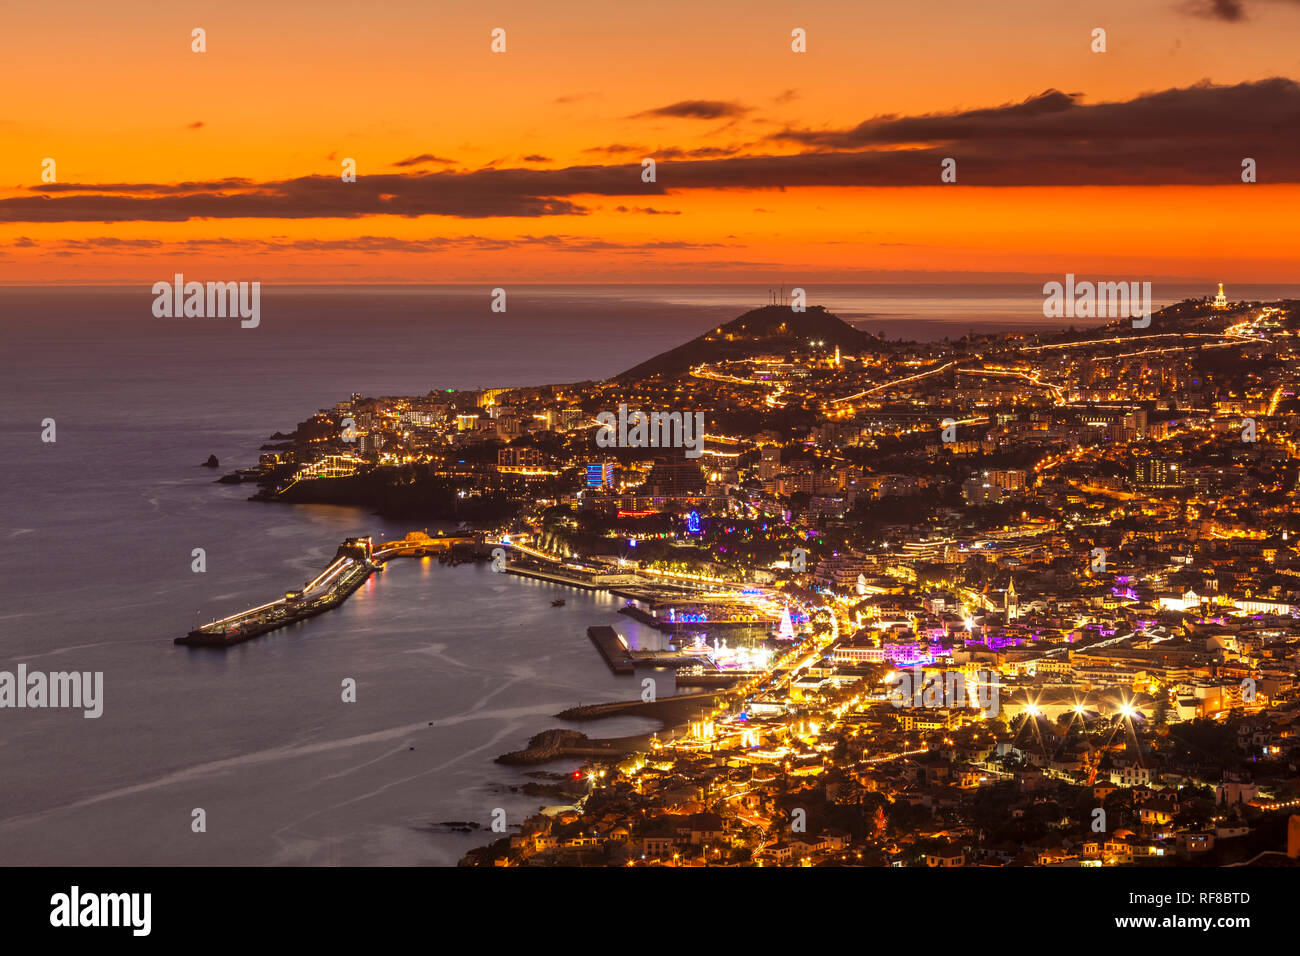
(1012, 604)
(1220, 300)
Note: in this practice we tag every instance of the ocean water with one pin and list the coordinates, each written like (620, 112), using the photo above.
(453, 665)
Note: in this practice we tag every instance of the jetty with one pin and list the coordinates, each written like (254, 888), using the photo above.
(353, 563)
(613, 648)
(623, 659)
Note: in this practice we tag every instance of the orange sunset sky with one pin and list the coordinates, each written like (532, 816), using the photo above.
(475, 166)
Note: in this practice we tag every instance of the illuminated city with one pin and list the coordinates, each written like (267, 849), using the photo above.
(1076, 551)
(450, 443)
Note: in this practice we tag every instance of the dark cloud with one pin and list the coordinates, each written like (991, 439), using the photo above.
(478, 194)
(220, 186)
(1010, 119)
(649, 210)
(424, 158)
(696, 109)
(1195, 135)
(701, 152)
(535, 158)
(1228, 11)
(615, 149)
(113, 242)
(664, 152)
(366, 244)
(197, 124)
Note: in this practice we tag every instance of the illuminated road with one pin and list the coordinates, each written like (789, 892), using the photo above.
(1121, 339)
(892, 384)
(1033, 378)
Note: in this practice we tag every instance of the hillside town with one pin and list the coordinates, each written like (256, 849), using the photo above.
(1023, 599)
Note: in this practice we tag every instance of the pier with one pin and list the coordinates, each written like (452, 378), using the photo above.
(354, 562)
(623, 660)
(613, 648)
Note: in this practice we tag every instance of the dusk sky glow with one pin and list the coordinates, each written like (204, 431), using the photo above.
(476, 166)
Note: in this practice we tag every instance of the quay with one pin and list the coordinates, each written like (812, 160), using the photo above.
(354, 562)
(629, 586)
(623, 660)
(613, 648)
(673, 627)
(553, 577)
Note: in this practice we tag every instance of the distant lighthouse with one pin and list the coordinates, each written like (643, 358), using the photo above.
(1220, 300)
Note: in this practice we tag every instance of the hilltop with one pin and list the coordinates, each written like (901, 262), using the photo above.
(773, 328)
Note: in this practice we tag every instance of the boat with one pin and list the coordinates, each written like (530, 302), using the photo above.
(559, 602)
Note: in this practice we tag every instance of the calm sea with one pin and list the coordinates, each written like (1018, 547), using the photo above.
(453, 665)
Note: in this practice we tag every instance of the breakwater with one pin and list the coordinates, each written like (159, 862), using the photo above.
(354, 562)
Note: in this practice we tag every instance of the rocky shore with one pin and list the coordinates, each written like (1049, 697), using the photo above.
(557, 743)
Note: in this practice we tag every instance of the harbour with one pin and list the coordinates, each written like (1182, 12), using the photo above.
(356, 559)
